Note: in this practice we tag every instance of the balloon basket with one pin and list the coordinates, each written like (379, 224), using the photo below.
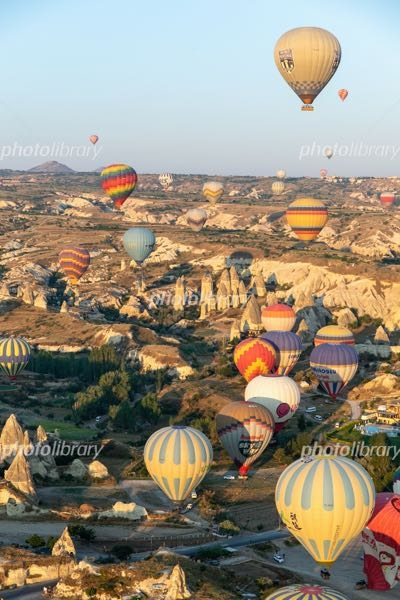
(307, 108)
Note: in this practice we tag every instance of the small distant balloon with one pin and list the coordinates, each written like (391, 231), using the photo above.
(323, 173)
(15, 353)
(387, 199)
(196, 218)
(343, 94)
(165, 180)
(139, 243)
(74, 262)
(213, 191)
(118, 181)
(94, 139)
(307, 217)
(281, 174)
(328, 152)
(278, 187)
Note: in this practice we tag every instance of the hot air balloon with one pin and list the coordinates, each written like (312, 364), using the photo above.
(281, 174)
(387, 199)
(334, 365)
(178, 458)
(165, 180)
(280, 394)
(306, 591)
(328, 152)
(15, 353)
(94, 139)
(254, 357)
(74, 262)
(196, 218)
(307, 217)
(288, 347)
(325, 502)
(278, 188)
(139, 243)
(245, 430)
(343, 94)
(334, 334)
(118, 182)
(213, 191)
(278, 317)
(307, 58)
(323, 173)
(381, 543)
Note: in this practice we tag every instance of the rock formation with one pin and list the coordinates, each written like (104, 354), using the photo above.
(77, 469)
(41, 434)
(206, 288)
(259, 285)
(242, 294)
(251, 318)
(180, 294)
(64, 546)
(381, 337)
(97, 470)
(125, 510)
(11, 438)
(235, 331)
(177, 588)
(222, 296)
(19, 474)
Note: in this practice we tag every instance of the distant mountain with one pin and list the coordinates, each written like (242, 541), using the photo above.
(52, 166)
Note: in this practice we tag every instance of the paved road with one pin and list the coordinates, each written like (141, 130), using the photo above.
(28, 592)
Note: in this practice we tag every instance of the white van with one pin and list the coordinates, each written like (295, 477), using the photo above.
(311, 409)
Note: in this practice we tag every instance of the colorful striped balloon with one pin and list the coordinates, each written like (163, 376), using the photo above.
(279, 394)
(245, 430)
(334, 365)
(277, 188)
(306, 217)
(288, 347)
(306, 591)
(334, 334)
(15, 353)
(178, 458)
(74, 262)
(254, 357)
(213, 191)
(325, 502)
(118, 182)
(278, 317)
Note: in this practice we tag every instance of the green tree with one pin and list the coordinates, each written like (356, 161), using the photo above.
(84, 533)
(301, 423)
(150, 407)
(122, 416)
(36, 541)
(122, 551)
(229, 528)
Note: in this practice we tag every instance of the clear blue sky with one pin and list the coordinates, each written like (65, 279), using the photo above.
(190, 86)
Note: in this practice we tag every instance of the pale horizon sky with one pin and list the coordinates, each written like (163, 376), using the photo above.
(192, 87)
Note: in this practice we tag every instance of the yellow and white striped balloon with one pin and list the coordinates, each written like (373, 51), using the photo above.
(177, 458)
(325, 502)
(213, 191)
(277, 188)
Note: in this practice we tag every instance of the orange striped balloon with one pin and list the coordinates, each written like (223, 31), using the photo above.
(306, 217)
(278, 317)
(254, 357)
(74, 262)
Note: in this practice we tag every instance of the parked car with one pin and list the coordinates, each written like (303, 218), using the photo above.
(337, 425)
(279, 558)
(229, 477)
(311, 409)
(318, 418)
(189, 506)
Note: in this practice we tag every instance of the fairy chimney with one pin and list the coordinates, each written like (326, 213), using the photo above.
(19, 474)
(64, 546)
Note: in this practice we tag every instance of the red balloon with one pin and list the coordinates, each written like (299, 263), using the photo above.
(254, 357)
(94, 139)
(343, 94)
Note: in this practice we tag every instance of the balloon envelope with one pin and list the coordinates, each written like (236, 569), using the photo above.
(381, 543)
(277, 188)
(343, 94)
(281, 174)
(196, 218)
(387, 199)
(334, 365)
(307, 58)
(306, 591)
(328, 152)
(165, 180)
(334, 334)
(213, 191)
(278, 317)
(325, 502)
(323, 173)
(139, 243)
(94, 139)
(118, 182)
(178, 458)
(288, 347)
(307, 217)
(74, 262)
(279, 394)
(15, 353)
(245, 430)
(254, 357)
